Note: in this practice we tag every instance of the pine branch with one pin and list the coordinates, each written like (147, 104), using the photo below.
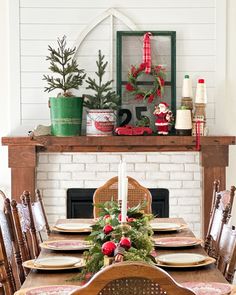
(104, 97)
(65, 66)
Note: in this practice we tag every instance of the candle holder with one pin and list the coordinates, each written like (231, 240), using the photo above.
(124, 227)
(120, 204)
(108, 260)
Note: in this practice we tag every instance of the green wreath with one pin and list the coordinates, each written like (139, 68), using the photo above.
(158, 74)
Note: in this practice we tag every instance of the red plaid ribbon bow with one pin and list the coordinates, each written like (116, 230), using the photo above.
(147, 52)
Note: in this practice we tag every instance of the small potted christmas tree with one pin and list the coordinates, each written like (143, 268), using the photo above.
(65, 109)
(101, 117)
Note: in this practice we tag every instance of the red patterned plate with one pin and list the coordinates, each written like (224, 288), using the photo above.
(48, 290)
(177, 242)
(65, 245)
(208, 288)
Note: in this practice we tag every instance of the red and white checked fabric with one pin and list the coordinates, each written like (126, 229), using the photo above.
(147, 52)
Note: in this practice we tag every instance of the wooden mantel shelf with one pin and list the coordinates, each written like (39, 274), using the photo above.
(118, 143)
(214, 156)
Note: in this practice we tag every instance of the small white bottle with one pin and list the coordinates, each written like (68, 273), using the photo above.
(187, 90)
(201, 95)
(187, 93)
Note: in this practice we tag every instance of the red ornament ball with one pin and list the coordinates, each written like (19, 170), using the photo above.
(108, 248)
(125, 243)
(107, 229)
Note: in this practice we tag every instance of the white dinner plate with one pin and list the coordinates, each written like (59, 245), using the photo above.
(165, 226)
(181, 258)
(73, 227)
(57, 261)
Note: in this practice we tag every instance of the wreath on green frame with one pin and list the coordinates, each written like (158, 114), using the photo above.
(158, 74)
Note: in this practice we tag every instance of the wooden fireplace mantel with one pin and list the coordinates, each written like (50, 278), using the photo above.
(214, 156)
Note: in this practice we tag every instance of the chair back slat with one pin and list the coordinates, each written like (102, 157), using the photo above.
(21, 239)
(109, 191)
(226, 260)
(219, 216)
(14, 239)
(6, 278)
(2, 199)
(40, 200)
(33, 231)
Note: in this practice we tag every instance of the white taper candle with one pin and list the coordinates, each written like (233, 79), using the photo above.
(119, 182)
(124, 199)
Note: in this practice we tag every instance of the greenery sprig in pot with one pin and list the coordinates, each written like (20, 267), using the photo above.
(101, 106)
(66, 109)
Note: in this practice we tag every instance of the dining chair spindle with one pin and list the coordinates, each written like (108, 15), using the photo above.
(14, 240)
(226, 260)
(219, 216)
(7, 280)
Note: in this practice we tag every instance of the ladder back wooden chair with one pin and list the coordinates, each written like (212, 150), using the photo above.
(7, 282)
(33, 221)
(28, 225)
(226, 260)
(2, 199)
(41, 203)
(24, 247)
(109, 191)
(133, 278)
(220, 214)
(14, 241)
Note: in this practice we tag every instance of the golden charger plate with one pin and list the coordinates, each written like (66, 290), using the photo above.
(207, 261)
(32, 265)
(167, 226)
(176, 242)
(66, 245)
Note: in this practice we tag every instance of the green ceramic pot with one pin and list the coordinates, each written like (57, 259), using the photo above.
(66, 115)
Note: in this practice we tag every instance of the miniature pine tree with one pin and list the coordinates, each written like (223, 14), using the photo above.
(62, 63)
(104, 97)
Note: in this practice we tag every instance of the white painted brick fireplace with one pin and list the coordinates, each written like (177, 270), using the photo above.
(179, 172)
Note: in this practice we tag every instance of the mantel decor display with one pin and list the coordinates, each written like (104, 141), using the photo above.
(65, 109)
(149, 58)
(114, 240)
(101, 116)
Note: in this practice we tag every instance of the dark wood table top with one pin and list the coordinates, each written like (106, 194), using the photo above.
(206, 273)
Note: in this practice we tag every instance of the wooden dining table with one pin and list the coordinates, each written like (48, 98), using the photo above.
(207, 273)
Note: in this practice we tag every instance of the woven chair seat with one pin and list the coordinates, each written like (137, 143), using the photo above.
(136, 194)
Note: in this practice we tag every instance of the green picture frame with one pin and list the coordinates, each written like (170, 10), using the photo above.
(124, 39)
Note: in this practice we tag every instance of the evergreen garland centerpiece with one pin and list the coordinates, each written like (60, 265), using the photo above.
(66, 108)
(113, 241)
(101, 104)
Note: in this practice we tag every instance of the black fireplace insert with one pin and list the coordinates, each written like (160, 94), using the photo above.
(80, 202)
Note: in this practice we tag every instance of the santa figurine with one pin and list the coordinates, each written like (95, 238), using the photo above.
(163, 118)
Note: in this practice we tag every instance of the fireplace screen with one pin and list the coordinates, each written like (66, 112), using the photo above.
(80, 202)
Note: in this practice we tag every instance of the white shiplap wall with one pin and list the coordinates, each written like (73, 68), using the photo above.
(41, 22)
